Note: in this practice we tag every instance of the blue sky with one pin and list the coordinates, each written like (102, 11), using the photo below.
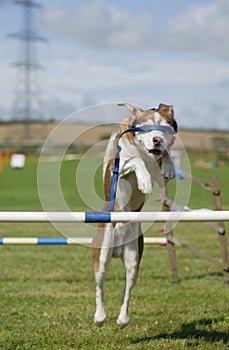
(144, 52)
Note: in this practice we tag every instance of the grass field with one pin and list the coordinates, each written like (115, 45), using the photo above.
(47, 292)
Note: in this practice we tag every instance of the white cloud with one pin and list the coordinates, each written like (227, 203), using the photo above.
(100, 25)
(194, 87)
(201, 29)
(198, 29)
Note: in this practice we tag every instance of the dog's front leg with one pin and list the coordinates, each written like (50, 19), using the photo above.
(143, 177)
(168, 170)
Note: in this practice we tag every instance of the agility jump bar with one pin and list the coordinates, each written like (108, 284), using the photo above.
(113, 217)
(68, 241)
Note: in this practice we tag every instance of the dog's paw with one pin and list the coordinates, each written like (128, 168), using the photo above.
(168, 172)
(144, 184)
(100, 317)
(123, 321)
(99, 321)
(167, 167)
(121, 324)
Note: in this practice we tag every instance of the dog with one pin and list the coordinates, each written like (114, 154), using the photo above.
(144, 159)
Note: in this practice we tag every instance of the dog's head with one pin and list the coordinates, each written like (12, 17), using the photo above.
(156, 141)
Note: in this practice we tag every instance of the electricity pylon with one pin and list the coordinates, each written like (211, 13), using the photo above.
(27, 105)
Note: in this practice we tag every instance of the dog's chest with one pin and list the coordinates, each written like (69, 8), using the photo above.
(129, 197)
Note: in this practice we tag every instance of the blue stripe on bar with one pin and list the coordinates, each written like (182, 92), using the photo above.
(1, 240)
(52, 241)
(97, 217)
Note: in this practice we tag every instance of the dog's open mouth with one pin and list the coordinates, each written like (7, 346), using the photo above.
(154, 151)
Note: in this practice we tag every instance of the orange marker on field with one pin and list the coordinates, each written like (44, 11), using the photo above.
(6, 155)
(1, 163)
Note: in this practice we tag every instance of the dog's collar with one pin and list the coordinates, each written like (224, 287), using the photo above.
(114, 180)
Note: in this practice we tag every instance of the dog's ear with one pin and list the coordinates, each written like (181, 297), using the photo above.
(167, 111)
(137, 112)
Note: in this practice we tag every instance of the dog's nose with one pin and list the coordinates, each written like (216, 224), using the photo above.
(157, 141)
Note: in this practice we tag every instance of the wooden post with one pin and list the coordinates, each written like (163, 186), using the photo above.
(1, 162)
(171, 246)
(221, 230)
(6, 156)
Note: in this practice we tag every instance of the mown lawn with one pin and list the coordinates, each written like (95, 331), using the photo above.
(47, 292)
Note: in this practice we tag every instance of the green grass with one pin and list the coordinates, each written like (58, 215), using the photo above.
(47, 296)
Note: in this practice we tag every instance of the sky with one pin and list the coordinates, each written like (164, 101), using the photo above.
(142, 52)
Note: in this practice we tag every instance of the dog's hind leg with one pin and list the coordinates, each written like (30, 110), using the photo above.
(100, 315)
(101, 259)
(131, 258)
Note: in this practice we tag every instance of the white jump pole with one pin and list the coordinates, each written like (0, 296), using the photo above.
(68, 241)
(89, 217)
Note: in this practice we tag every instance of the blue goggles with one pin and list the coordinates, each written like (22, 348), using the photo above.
(147, 128)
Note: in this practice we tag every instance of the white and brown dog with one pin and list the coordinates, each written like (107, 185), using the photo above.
(144, 158)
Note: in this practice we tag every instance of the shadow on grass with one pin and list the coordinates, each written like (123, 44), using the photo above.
(194, 330)
(204, 275)
(188, 277)
(220, 274)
